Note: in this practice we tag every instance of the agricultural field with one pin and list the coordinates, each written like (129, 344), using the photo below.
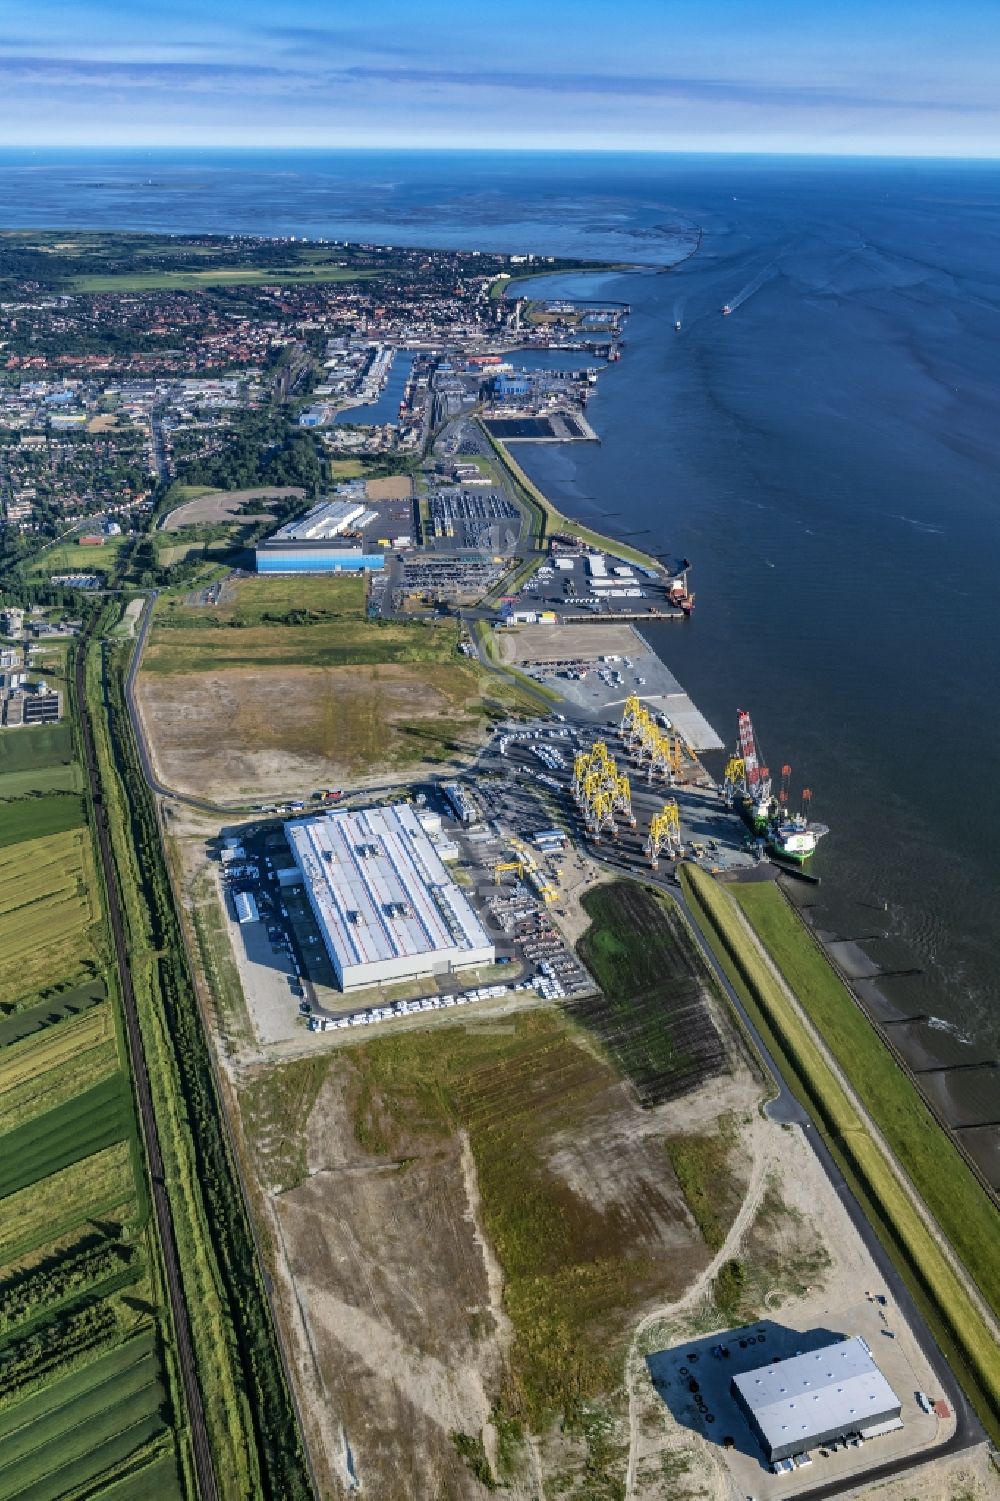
(474, 1218)
(40, 1071)
(49, 913)
(85, 1399)
(37, 780)
(60, 1003)
(105, 1420)
(37, 817)
(63, 1201)
(286, 682)
(34, 753)
(85, 1124)
(656, 1016)
(219, 276)
(83, 1388)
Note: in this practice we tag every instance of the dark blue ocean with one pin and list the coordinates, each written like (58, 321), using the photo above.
(828, 456)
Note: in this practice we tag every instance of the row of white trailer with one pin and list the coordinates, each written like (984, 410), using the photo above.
(372, 1015)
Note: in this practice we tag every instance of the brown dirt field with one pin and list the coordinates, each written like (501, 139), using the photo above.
(393, 487)
(403, 1346)
(555, 643)
(221, 505)
(241, 733)
(393, 1296)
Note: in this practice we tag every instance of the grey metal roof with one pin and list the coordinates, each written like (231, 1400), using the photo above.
(379, 887)
(325, 521)
(838, 1387)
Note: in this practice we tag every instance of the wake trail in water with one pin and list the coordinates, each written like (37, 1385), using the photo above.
(920, 526)
(745, 293)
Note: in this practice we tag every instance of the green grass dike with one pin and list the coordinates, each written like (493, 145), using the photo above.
(940, 1175)
(544, 517)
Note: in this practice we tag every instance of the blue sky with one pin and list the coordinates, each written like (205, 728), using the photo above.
(905, 77)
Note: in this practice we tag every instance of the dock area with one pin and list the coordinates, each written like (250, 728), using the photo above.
(595, 666)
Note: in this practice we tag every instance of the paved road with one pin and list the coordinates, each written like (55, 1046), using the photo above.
(161, 1203)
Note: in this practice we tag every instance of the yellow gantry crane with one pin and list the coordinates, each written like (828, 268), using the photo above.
(630, 713)
(735, 780)
(664, 834)
(601, 791)
(656, 749)
(621, 799)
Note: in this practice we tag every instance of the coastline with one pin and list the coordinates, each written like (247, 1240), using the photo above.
(549, 515)
(928, 1036)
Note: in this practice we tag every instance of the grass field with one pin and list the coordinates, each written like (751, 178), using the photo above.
(193, 281)
(70, 557)
(952, 1312)
(62, 1440)
(653, 1018)
(84, 1124)
(279, 627)
(35, 751)
(285, 622)
(703, 1165)
(930, 1158)
(66, 1199)
(40, 780)
(48, 906)
(157, 1479)
(38, 817)
(45, 1069)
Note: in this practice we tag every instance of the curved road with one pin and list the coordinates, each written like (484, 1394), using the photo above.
(204, 1471)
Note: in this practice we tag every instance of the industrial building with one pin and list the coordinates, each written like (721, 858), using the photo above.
(816, 1398)
(331, 538)
(386, 907)
(460, 802)
(246, 907)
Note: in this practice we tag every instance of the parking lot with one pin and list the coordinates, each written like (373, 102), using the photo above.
(479, 520)
(595, 666)
(458, 579)
(693, 1380)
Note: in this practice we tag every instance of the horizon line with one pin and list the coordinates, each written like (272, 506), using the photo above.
(412, 150)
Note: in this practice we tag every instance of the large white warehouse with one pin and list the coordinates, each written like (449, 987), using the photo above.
(386, 906)
(811, 1399)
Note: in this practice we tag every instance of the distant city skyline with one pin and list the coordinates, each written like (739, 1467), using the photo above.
(909, 77)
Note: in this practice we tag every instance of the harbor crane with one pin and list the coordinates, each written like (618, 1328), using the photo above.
(758, 777)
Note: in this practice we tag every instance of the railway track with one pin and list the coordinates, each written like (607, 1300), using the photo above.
(204, 1471)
